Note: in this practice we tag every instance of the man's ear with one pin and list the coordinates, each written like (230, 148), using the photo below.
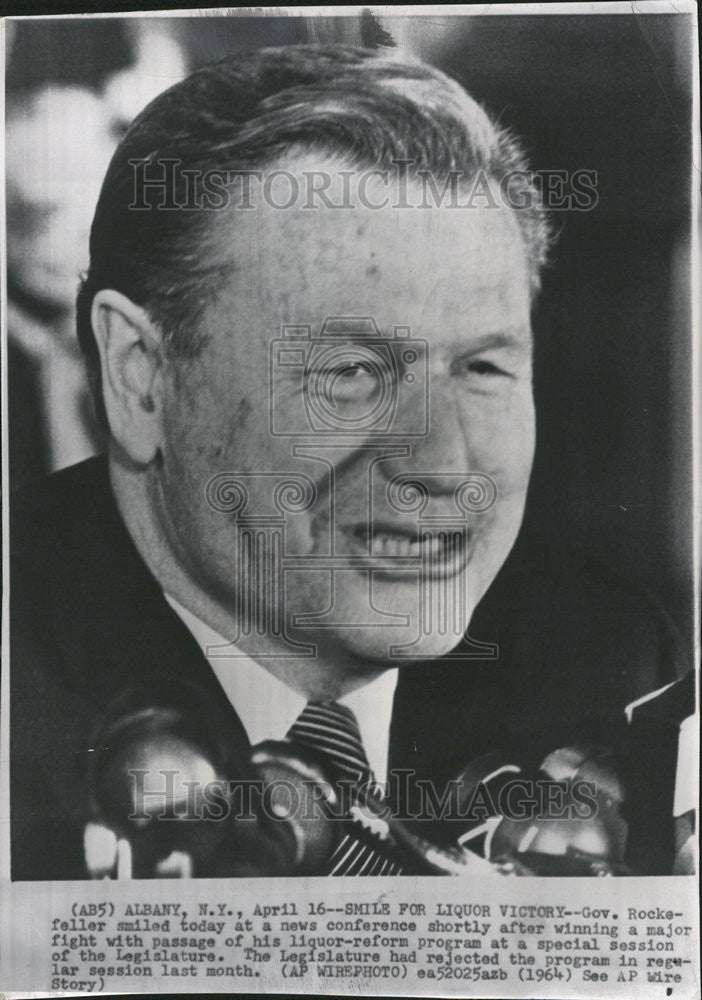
(130, 357)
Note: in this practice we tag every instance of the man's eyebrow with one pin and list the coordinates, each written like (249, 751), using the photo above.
(514, 338)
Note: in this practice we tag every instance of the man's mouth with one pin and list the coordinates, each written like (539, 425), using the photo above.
(440, 551)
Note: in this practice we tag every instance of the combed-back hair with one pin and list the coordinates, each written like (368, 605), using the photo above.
(357, 105)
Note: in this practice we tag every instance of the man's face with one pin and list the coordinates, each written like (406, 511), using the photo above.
(350, 402)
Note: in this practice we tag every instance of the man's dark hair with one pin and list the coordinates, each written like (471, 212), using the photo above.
(360, 106)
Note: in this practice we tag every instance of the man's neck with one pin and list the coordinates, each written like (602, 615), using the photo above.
(328, 674)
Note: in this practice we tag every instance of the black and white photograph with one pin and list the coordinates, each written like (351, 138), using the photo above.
(350, 469)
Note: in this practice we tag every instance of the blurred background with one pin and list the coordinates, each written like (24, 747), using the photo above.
(606, 93)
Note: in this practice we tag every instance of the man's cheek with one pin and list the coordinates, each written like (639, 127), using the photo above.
(501, 430)
(513, 451)
(509, 468)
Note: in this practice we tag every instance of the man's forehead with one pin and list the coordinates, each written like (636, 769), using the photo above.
(421, 266)
(443, 310)
(307, 229)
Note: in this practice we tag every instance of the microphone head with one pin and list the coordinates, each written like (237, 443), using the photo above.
(298, 804)
(152, 769)
(152, 781)
(564, 817)
(156, 773)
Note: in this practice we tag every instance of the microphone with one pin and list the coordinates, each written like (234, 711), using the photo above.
(579, 830)
(169, 798)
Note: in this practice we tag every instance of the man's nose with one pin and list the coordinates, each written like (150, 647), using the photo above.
(444, 450)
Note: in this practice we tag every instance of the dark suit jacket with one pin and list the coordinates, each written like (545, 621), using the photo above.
(88, 621)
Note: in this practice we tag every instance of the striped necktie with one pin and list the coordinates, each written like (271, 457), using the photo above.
(331, 731)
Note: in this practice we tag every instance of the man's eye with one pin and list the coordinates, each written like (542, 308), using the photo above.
(353, 381)
(346, 381)
(478, 366)
(358, 372)
(351, 371)
(485, 368)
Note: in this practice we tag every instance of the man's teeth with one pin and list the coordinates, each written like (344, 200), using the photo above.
(388, 544)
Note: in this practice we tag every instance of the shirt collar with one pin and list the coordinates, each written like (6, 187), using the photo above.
(267, 707)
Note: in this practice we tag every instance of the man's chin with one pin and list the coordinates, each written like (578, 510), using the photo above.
(396, 623)
(385, 649)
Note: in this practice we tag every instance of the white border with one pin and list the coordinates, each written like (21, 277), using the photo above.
(401, 10)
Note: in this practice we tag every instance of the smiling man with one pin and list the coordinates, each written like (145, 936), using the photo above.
(307, 325)
(179, 425)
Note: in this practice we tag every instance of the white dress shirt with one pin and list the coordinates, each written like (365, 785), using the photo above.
(267, 707)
